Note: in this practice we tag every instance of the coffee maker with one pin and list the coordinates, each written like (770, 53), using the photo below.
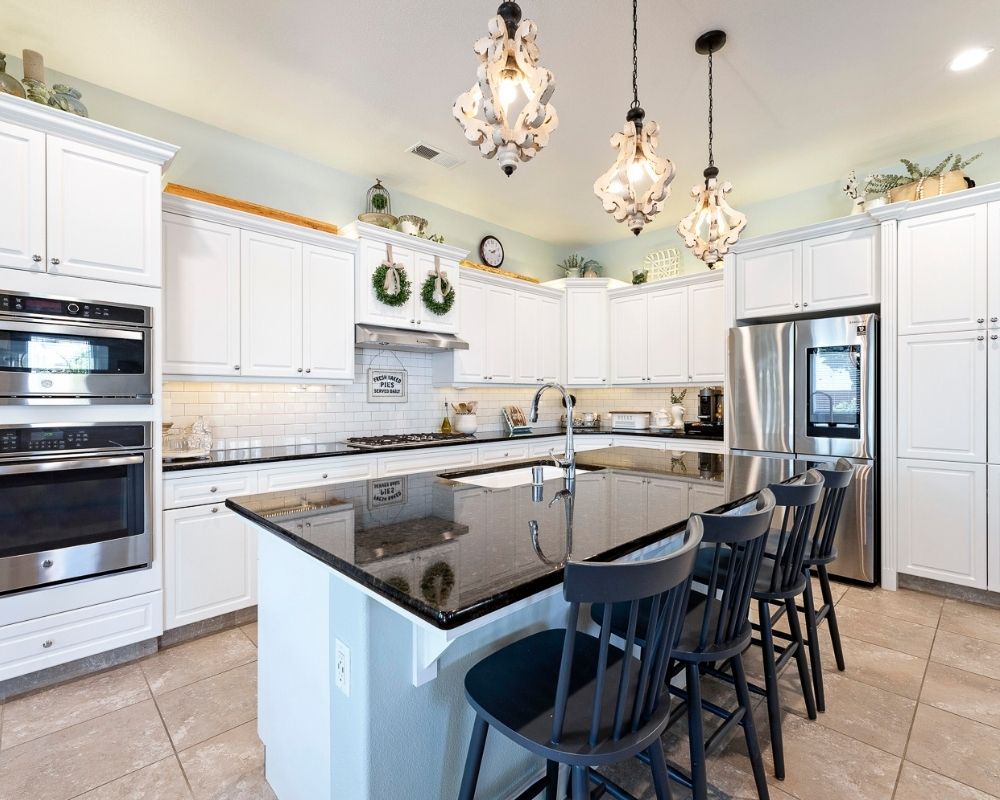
(710, 406)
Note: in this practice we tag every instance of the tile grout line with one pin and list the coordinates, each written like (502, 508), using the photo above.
(170, 739)
(130, 772)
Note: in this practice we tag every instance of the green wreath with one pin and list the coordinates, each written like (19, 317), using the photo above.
(378, 284)
(437, 583)
(427, 295)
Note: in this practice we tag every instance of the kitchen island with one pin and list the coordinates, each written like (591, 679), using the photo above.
(376, 597)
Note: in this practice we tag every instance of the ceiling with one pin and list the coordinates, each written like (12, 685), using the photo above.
(804, 91)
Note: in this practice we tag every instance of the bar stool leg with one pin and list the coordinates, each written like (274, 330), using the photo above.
(812, 633)
(661, 779)
(581, 784)
(831, 617)
(696, 733)
(552, 780)
(749, 729)
(800, 657)
(771, 686)
(474, 760)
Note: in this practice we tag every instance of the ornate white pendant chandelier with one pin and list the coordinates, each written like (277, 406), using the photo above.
(507, 110)
(634, 189)
(714, 225)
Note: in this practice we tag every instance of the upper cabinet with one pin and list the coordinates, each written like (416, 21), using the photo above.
(241, 300)
(420, 259)
(669, 334)
(809, 275)
(80, 198)
(587, 315)
(942, 274)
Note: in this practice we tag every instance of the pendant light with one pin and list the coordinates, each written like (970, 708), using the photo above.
(507, 110)
(634, 189)
(714, 225)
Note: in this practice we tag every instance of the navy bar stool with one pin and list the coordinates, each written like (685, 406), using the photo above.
(575, 699)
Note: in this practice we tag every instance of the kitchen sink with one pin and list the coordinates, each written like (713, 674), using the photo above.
(505, 478)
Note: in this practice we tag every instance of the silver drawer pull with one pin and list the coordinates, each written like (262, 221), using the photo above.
(214, 489)
(54, 261)
(980, 338)
(47, 563)
(325, 475)
(36, 258)
(47, 644)
(215, 509)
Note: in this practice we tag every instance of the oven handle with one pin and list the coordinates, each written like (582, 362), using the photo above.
(94, 331)
(79, 463)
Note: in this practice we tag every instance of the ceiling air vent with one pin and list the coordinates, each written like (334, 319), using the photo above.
(434, 155)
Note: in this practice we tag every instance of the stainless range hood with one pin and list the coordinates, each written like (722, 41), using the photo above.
(401, 339)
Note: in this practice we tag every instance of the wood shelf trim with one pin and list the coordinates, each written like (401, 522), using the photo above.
(249, 208)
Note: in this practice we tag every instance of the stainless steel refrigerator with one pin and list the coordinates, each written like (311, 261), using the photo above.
(807, 391)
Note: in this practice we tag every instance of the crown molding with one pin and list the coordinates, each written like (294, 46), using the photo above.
(907, 209)
(691, 279)
(826, 228)
(364, 230)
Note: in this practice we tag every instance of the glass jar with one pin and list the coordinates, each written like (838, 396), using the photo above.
(201, 435)
(67, 98)
(8, 83)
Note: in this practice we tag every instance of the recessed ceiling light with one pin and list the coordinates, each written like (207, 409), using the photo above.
(970, 58)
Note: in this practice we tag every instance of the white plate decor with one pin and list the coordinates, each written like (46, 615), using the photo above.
(663, 264)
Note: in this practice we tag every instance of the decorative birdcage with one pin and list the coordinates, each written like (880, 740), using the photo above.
(378, 207)
(662, 264)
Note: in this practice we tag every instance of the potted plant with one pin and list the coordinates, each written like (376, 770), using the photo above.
(944, 178)
(572, 266)
(677, 407)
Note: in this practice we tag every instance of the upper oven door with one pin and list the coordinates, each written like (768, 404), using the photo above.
(42, 362)
(835, 380)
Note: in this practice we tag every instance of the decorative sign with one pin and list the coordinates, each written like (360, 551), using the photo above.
(386, 385)
(386, 492)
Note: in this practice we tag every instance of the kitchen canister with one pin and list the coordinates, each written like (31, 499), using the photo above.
(466, 423)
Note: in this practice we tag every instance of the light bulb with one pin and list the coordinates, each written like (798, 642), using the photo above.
(508, 92)
(970, 58)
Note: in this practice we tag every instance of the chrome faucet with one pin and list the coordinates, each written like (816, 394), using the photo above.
(568, 461)
(567, 496)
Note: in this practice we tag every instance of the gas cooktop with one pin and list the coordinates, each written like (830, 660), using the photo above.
(405, 440)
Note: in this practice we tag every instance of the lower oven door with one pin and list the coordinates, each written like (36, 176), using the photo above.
(46, 363)
(65, 519)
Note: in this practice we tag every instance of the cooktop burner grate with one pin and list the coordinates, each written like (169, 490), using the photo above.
(405, 440)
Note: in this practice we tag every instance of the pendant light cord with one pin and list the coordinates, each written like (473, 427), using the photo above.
(635, 53)
(711, 153)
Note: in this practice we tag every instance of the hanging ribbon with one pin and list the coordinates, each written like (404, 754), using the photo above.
(392, 274)
(442, 286)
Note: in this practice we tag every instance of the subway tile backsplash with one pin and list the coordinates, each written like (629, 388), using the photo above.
(245, 414)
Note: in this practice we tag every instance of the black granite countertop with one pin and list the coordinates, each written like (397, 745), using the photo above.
(264, 455)
(450, 551)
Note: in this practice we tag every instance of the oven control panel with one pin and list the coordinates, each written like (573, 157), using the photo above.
(14, 304)
(33, 440)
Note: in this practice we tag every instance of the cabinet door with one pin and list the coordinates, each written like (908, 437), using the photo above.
(427, 320)
(526, 338)
(550, 338)
(271, 308)
(210, 564)
(993, 397)
(993, 528)
(707, 333)
(629, 362)
(369, 308)
(668, 336)
(667, 502)
(327, 313)
(22, 201)
(841, 271)
(103, 214)
(993, 267)
(942, 272)
(629, 501)
(702, 499)
(587, 337)
(470, 365)
(769, 281)
(942, 521)
(501, 309)
(942, 396)
(201, 297)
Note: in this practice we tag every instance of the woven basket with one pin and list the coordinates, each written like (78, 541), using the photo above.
(945, 183)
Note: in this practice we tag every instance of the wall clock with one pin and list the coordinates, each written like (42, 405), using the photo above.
(491, 251)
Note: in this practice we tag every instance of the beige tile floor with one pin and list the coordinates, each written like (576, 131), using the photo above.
(916, 715)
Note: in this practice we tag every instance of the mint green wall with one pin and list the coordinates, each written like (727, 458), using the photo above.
(794, 210)
(219, 161)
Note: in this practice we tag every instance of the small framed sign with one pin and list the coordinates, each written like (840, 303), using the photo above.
(386, 385)
(386, 492)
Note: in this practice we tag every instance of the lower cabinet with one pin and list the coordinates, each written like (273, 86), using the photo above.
(210, 557)
(942, 521)
(993, 525)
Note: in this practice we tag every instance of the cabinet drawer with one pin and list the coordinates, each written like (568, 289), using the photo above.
(446, 458)
(645, 442)
(38, 643)
(544, 447)
(505, 452)
(347, 469)
(199, 489)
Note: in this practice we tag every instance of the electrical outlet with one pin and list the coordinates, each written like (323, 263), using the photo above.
(342, 667)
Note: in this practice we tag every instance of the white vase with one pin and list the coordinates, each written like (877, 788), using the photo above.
(858, 207)
(678, 413)
(466, 423)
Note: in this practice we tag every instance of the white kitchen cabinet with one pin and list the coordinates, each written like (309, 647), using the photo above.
(423, 268)
(769, 281)
(942, 512)
(993, 528)
(942, 272)
(587, 333)
(501, 311)
(334, 532)
(469, 366)
(993, 397)
(942, 404)
(210, 564)
(629, 343)
(528, 348)
(670, 328)
(22, 201)
(706, 322)
(369, 308)
(550, 340)
(993, 265)
(103, 217)
(202, 297)
(327, 313)
(841, 270)
(271, 306)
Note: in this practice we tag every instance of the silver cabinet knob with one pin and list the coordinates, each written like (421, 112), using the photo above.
(36, 258)
(54, 261)
(796, 305)
(236, 367)
(980, 320)
(309, 369)
(47, 644)
(994, 319)
(994, 337)
(300, 369)
(215, 509)
(805, 305)
(980, 338)
(47, 563)
(214, 489)
(325, 475)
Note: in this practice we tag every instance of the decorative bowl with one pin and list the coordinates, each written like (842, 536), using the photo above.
(378, 218)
